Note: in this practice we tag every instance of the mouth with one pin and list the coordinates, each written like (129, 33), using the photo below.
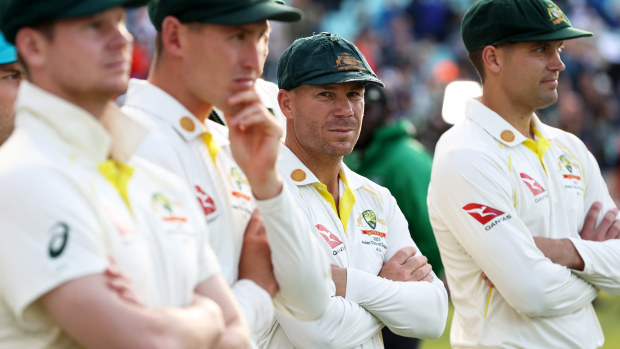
(118, 66)
(244, 83)
(550, 82)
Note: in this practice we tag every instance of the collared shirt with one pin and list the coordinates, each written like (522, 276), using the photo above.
(175, 141)
(492, 190)
(61, 218)
(369, 230)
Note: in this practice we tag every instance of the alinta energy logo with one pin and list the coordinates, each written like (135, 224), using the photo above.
(485, 214)
(531, 183)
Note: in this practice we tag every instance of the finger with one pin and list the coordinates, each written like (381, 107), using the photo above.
(614, 230)
(605, 225)
(589, 223)
(415, 262)
(242, 97)
(484, 276)
(402, 255)
(253, 115)
(420, 273)
(255, 223)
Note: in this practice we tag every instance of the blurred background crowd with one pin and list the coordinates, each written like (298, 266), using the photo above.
(416, 49)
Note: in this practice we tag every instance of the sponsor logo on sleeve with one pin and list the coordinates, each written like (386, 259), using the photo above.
(206, 201)
(486, 215)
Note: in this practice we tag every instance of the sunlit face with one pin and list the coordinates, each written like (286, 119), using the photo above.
(530, 76)
(10, 76)
(220, 60)
(89, 55)
(325, 120)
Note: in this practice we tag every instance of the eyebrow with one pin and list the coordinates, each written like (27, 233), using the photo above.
(10, 70)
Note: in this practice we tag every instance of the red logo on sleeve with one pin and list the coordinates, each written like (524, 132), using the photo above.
(482, 213)
(331, 239)
(206, 202)
(531, 183)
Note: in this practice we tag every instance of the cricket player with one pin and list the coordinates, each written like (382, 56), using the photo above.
(70, 202)
(11, 73)
(510, 198)
(379, 276)
(209, 53)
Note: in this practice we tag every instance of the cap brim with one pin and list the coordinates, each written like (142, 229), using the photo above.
(562, 34)
(258, 12)
(8, 55)
(88, 9)
(342, 77)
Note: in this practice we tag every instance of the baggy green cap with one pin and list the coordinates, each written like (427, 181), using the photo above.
(492, 22)
(15, 14)
(226, 12)
(323, 59)
(8, 54)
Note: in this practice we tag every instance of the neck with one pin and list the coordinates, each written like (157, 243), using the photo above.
(519, 117)
(325, 167)
(169, 82)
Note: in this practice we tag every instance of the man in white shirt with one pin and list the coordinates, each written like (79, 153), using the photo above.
(11, 73)
(379, 277)
(510, 198)
(70, 202)
(209, 53)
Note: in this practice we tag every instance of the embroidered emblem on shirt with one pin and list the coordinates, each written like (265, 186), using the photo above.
(569, 166)
(482, 213)
(298, 175)
(206, 202)
(166, 208)
(331, 239)
(531, 183)
(370, 217)
(187, 124)
(58, 240)
(507, 136)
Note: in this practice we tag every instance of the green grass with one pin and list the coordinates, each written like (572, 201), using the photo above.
(607, 307)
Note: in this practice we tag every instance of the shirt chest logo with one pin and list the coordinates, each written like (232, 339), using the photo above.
(331, 239)
(532, 184)
(206, 201)
(167, 210)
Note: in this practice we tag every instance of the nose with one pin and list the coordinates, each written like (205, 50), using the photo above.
(252, 55)
(121, 37)
(556, 63)
(344, 106)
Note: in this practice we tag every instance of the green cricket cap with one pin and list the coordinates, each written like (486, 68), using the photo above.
(225, 12)
(492, 22)
(323, 59)
(16, 14)
(8, 54)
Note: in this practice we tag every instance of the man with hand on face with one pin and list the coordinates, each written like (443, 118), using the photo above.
(379, 276)
(11, 73)
(209, 53)
(515, 204)
(69, 202)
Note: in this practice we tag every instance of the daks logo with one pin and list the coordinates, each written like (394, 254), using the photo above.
(482, 213)
(531, 183)
(331, 239)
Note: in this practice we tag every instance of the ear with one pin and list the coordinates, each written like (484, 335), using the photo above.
(492, 58)
(172, 31)
(32, 46)
(286, 103)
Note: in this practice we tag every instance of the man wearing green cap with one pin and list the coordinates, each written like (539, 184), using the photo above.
(69, 203)
(379, 276)
(209, 53)
(11, 73)
(515, 204)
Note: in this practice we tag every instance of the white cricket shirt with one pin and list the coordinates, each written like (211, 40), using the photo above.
(491, 191)
(223, 191)
(371, 231)
(60, 218)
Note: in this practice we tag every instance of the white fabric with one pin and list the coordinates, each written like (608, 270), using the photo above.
(301, 273)
(536, 303)
(60, 218)
(415, 309)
